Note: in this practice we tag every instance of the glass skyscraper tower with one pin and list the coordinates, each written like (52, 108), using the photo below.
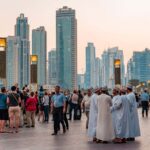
(12, 64)
(66, 48)
(39, 48)
(90, 75)
(22, 32)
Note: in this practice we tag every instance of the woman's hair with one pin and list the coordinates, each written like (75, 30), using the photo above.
(46, 93)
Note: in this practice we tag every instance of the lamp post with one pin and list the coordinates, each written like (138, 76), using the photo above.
(3, 46)
(117, 71)
(33, 72)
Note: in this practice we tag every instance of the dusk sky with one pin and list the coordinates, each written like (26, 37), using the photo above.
(106, 23)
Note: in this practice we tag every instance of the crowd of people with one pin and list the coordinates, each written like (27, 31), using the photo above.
(109, 117)
(113, 118)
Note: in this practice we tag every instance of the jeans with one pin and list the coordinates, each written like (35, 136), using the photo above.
(46, 113)
(73, 107)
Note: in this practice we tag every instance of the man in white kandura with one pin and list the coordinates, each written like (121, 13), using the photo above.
(116, 114)
(125, 116)
(93, 115)
(104, 130)
(134, 130)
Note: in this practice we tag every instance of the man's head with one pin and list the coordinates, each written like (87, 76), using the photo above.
(145, 90)
(57, 89)
(123, 91)
(13, 88)
(129, 89)
(89, 93)
(75, 91)
(115, 91)
(3, 90)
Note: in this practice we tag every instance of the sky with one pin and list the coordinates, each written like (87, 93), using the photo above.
(106, 23)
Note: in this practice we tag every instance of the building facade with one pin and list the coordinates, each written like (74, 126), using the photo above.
(66, 48)
(12, 65)
(52, 68)
(39, 48)
(108, 72)
(138, 67)
(90, 74)
(22, 32)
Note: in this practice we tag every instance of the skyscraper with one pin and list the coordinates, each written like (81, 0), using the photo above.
(108, 73)
(138, 67)
(90, 75)
(66, 47)
(12, 65)
(39, 48)
(52, 68)
(22, 32)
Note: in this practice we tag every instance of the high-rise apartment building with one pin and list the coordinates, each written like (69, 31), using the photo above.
(12, 65)
(22, 32)
(138, 67)
(39, 48)
(90, 74)
(66, 47)
(108, 73)
(52, 68)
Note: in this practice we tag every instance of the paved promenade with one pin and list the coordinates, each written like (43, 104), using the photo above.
(40, 138)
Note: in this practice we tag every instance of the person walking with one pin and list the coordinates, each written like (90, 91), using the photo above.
(46, 101)
(30, 110)
(40, 103)
(73, 105)
(86, 104)
(145, 102)
(3, 110)
(13, 100)
(58, 107)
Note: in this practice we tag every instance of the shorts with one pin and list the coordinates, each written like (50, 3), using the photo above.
(14, 111)
(4, 114)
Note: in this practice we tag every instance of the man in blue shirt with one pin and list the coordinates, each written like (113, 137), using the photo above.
(58, 107)
(145, 102)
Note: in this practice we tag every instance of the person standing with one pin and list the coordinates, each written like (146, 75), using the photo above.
(30, 110)
(40, 102)
(13, 100)
(3, 110)
(124, 117)
(145, 102)
(104, 130)
(58, 107)
(116, 110)
(73, 105)
(86, 104)
(46, 101)
(93, 115)
(134, 130)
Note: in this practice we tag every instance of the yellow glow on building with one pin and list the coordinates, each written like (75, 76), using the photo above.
(34, 58)
(2, 42)
(117, 62)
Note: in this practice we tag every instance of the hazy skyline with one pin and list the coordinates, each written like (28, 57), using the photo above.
(106, 23)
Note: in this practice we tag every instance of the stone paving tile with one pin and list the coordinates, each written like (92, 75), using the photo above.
(75, 139)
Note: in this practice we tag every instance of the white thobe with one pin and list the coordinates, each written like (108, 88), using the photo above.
(121, 116)
(93, 116)
(134, 130)
(116, 114)
(104, 129)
